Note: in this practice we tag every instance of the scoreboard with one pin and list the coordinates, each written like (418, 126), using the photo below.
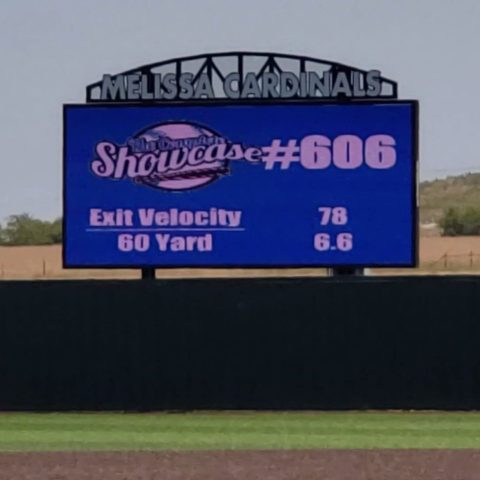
(247, 184)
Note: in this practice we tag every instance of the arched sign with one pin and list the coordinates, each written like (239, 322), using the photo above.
(239, 76)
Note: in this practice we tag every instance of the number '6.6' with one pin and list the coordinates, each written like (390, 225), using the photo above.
(323, 242)
(348, 152)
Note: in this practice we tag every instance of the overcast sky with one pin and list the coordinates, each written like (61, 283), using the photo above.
(51, 49)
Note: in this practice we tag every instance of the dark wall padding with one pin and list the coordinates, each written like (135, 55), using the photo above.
(299, 343)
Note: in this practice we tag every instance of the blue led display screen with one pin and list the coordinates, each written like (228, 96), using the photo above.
(240, 185)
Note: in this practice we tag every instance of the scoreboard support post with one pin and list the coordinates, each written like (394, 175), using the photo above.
(148, 274)
(346, 272)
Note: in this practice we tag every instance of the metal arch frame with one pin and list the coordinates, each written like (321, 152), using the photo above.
(209, 67)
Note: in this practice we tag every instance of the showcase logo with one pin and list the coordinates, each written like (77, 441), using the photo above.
(172, 156)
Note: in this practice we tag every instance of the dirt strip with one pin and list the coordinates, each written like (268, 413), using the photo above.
(245, 465)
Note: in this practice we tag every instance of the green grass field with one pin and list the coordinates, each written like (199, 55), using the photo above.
(230, 431)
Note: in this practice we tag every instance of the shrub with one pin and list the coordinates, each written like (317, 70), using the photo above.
(461, 222)
(23, 229)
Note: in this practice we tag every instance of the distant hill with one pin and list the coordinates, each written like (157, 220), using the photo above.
(459, 192)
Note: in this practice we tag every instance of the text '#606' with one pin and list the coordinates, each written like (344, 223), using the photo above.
(315, 152)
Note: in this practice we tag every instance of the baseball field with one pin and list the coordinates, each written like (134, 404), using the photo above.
(240, 445)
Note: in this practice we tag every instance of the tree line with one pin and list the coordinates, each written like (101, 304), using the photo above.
(23, 229)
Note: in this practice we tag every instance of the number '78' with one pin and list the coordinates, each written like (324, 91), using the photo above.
(333, 215)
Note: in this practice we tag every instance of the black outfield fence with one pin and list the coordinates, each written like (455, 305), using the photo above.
(297, 343)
